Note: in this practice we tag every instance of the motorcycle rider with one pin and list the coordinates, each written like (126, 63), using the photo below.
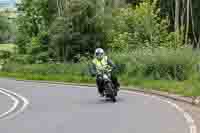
(101, 62)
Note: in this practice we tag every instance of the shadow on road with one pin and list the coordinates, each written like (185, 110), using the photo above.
(104, 101)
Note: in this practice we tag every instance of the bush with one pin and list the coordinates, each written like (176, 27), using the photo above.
(37, 49)
(4, 54)
(22, 41)
(6, 29)
(7, 50)
(20, 58)
(159, 63)
(140, 27)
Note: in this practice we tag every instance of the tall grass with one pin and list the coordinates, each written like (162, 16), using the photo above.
(47, 69)
(158, 63)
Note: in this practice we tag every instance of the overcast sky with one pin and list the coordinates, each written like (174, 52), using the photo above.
(7, 1)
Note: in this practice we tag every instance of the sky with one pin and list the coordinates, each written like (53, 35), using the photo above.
(7, 3)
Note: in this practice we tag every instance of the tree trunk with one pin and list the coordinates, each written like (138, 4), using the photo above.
(188, 21)
(177, 13)
(177, 22)
(58, 7)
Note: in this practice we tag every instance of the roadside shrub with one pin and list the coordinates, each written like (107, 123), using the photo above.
(22, 41)
(7, 50)
(158, 63)
(4, 54)
(37, 49)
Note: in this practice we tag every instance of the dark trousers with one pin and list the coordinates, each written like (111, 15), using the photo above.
(99, 82)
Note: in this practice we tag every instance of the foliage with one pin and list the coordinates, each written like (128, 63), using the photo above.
(8, 47)
(168, 9)
(7, 30)
(140, 27)
(38, 48)
(6, 51)
(33, 16)
(32, 21)
(159, 63)
(79, 29)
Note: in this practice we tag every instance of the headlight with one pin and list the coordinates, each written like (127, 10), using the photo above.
(105, 76)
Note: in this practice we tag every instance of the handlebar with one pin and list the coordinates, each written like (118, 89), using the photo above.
(106, 70)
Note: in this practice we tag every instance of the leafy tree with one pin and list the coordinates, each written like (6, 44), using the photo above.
(5, 29)
(187, 14)
(139, 27)
(32, 20)
(79, 28)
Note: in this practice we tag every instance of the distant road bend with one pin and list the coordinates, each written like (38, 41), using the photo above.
(53, 108)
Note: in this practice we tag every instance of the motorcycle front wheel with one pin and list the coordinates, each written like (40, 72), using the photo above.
(111, 92)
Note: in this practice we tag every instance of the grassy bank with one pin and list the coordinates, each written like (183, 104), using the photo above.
(173, 71)
(185, 88)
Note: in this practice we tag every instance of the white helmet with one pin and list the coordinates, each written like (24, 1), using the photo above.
(99, 53)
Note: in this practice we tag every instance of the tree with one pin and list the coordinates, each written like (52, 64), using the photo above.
(177, 15)
(33, 16)
(140, 27)
(184, 16)
(33, 19)
(80, 26)
(5, 29)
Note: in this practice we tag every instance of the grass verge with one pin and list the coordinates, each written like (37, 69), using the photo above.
(184, 88)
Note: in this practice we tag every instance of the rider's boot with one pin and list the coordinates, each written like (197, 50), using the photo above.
(101, 94)
(117, 87)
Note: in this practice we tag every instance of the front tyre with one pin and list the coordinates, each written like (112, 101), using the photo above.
(114, 99)
(111, 92)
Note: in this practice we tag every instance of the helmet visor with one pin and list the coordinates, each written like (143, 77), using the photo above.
(99, 55)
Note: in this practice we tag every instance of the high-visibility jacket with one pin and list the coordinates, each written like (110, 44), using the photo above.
(100, 64)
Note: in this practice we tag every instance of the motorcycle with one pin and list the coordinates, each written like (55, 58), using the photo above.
(109, 89)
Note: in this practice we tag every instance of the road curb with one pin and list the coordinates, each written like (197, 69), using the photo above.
(187, 100)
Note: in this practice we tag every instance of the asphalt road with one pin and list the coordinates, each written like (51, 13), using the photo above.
(69, 109)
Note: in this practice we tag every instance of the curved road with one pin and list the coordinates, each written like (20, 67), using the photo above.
(68, 109)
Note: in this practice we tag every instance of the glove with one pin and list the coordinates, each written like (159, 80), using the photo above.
(93, 74)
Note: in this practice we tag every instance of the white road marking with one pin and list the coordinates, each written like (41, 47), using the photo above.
(16, 103)
(188, 118)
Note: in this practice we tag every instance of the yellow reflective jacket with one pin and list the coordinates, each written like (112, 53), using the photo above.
(97, 65)
(101, 65)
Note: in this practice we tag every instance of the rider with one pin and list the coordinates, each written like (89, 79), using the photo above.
(101, 62)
